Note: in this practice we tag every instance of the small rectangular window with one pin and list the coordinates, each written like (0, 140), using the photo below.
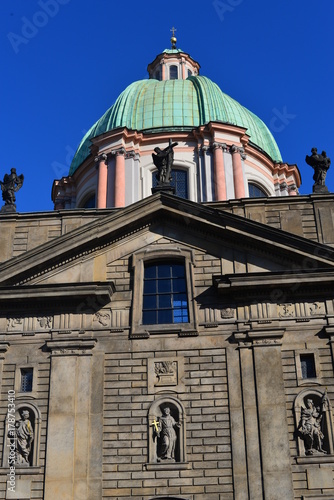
(307, 364)
(26, 379)
(173, 73)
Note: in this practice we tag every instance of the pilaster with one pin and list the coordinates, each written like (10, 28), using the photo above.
(102, 181)
(219, 171)
(238, 176)
(119, 185)
(69, 420)
(272, 417)
(250, 420)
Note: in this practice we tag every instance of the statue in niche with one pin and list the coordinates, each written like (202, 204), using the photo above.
(311, 426)
(320, 165)
(9, 186)
(167, 437)
(163, 159)
(24, 436)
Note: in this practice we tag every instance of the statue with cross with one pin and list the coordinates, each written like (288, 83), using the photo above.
(164, 429)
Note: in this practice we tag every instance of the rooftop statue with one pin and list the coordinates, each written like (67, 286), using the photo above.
(320, 164)
(163, 159)
(10, 185)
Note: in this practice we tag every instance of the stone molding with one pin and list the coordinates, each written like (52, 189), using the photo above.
(259, 337)
(58, 295)
(73, 347)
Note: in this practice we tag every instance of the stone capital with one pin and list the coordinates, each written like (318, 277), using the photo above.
(3, 349)
(259, 337)
(73, 347)
(265, 337)
(130, 154)
(118, 152)
(219, 145)
(101, 157)
(329, 330)
(238, 149)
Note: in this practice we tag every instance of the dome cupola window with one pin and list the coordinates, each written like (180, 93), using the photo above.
(173, 72)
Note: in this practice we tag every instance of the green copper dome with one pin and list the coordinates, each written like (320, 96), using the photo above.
(149, 105)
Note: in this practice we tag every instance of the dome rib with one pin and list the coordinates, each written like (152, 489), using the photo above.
(152, 104)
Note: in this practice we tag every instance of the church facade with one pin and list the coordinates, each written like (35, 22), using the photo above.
(177, 344)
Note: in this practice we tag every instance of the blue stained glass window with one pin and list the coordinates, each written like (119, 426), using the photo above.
(179, 182)
(165, 294)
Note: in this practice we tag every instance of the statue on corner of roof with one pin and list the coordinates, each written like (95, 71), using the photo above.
(320, 165)
(9, 186)
(163, 159)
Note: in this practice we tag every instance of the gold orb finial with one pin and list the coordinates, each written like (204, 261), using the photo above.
(173, 40)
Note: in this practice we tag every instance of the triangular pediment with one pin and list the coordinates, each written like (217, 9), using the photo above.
(242, 245)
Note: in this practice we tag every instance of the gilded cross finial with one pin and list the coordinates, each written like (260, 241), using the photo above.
(173, 39)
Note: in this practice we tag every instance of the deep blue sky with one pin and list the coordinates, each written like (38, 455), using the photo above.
(58, 78)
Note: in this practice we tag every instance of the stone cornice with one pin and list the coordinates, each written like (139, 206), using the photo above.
(57, 295)
(73, 347)
(262, 284)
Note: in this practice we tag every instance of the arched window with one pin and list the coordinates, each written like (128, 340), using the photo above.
(190, 73)
(179, 182)
(173, 73)
(255, 191)
(89, 202)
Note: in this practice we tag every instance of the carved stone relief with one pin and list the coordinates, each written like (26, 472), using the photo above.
(45, 322)
(286, 310)
(317, 308)
(15, 324)
(102, 319)
(227, 313)
(164, 373)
